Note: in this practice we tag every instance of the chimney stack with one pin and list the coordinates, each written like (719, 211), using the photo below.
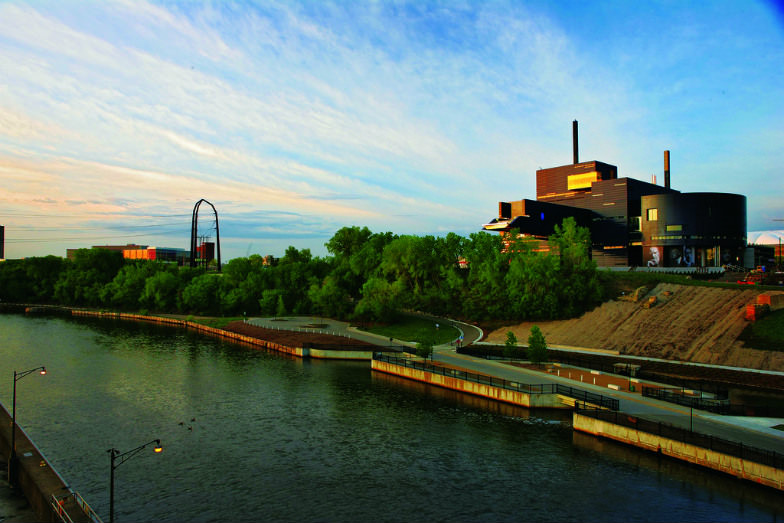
(574, 141)
(667, 169)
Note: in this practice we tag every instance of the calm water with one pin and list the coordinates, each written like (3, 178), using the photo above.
(281, 439)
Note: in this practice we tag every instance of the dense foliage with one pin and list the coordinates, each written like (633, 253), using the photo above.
(368, 275)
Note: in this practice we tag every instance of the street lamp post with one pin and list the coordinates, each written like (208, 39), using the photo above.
(12, 459)
(114, 456)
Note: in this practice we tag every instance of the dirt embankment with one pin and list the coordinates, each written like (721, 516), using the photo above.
(687, 323)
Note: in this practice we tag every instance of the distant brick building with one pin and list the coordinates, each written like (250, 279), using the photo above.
(165, 254)
(70, 253)
(132, 251)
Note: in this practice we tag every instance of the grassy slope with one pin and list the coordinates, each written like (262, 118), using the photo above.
(217, 323)
(767, 333)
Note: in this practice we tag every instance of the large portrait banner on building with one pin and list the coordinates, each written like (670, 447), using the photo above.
(652, 256)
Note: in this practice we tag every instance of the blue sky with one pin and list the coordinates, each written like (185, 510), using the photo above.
(295, 119)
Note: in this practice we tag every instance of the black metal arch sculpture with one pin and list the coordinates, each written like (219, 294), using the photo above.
(194, 225)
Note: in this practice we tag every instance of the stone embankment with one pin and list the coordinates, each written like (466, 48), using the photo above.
(248, 335)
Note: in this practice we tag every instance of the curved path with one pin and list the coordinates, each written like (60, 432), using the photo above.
(469, 332)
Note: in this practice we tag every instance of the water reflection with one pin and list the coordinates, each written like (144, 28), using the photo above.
(257, 436)
(477, 403)
(690, 477)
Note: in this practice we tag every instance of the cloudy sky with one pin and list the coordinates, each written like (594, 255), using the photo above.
(297, 118)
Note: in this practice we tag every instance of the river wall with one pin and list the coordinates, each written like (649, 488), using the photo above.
(523, 399)
(41, 484)
(300, 352)
(736, 466)
(744, 468)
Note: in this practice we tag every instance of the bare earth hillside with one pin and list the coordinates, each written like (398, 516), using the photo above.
(687, 323)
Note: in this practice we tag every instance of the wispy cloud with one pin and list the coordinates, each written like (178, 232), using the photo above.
(413, 117)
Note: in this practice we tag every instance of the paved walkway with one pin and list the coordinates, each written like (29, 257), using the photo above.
(757, 432)
(469, 332)
(13, 505)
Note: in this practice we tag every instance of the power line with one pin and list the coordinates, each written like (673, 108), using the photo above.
(81, 238)
(83, 215)
(34, 228)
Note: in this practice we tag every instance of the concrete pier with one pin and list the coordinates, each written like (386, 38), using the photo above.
(741, 467)
(523, 399)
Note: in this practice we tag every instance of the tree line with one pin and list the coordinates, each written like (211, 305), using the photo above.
(367, 276)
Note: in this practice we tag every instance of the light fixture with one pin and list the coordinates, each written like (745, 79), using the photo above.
(115, 456)
(12, 459)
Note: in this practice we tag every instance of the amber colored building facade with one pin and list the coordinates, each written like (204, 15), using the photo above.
(132, 251)
(632, 223)
(164, 254)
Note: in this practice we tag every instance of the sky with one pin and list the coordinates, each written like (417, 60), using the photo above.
(294, 119)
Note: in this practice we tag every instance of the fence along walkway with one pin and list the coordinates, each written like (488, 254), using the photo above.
(770, 458)
(544, 388)
(719, 406)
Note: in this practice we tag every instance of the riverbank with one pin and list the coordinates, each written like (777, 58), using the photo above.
(302, 345)
(600, 416)
(270, 431)
(252, 405)
(48, 495)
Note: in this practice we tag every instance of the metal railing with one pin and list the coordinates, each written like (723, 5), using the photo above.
(719, 406)
(604, 402)
(59, 504)
(543, 388)
(666, 430)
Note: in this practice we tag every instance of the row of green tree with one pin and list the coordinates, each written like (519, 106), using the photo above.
(366, 275)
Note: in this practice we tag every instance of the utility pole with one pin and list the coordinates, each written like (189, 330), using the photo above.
(778, 258)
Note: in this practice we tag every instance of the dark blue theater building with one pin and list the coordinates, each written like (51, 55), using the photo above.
(632, 223)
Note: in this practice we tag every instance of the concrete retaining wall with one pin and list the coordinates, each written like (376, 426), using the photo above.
(550, 401)
(233, 336)
(749, 470)
(37, 479)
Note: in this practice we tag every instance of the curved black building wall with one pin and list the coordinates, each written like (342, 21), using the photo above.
(685, 229)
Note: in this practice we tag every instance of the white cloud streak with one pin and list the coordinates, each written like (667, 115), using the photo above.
(414, 117)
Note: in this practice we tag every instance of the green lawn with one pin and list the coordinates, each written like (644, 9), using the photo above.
(767, 333)
(217, 323)
(414, 328)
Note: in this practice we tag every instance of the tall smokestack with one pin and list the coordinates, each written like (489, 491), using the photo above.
(574, 141)
(667, 169)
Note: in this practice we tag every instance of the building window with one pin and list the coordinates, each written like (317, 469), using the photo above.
(581, 181)
(653, 215)
(634, 223)
(674, 228)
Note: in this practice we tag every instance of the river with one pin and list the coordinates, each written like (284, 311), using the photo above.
(257, 436)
